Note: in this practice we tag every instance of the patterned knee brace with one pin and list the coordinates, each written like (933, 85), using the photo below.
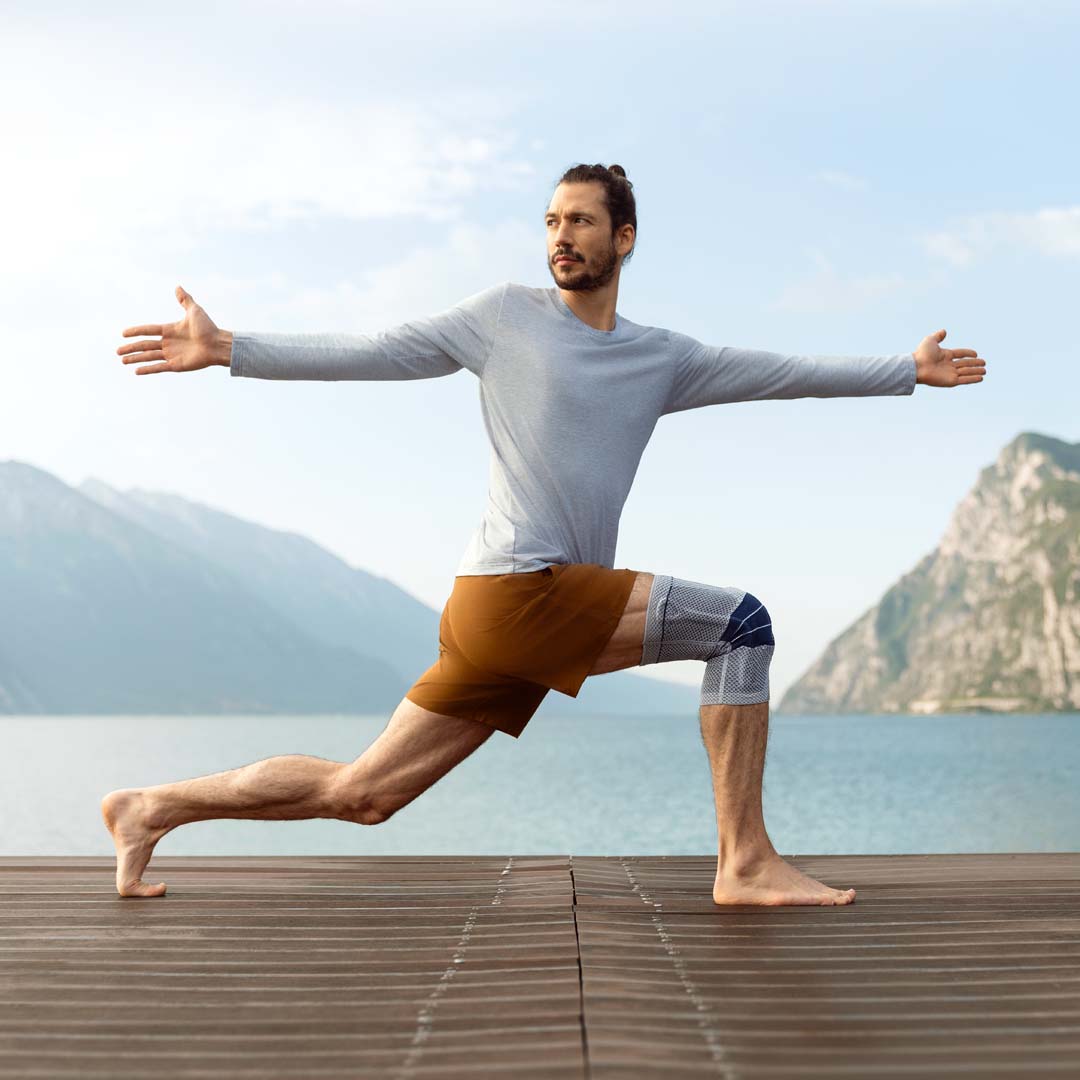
(728, 628)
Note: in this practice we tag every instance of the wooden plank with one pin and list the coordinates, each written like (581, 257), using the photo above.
(944, 966)
(291, 967)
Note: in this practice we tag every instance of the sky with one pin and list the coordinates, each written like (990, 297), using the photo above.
(814, 178)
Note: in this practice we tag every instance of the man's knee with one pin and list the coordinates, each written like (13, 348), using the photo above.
(727, 627)
(690, 620)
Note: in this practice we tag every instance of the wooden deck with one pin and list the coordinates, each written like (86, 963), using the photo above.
(538, 967)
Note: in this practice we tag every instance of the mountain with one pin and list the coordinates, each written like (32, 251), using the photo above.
(314, 589)
(989, 620)
(101, 616)
(144, 602)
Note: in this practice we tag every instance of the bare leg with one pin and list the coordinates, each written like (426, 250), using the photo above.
(415, 749)
(749, 870)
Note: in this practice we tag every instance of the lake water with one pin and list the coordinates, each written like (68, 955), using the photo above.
(581, 785)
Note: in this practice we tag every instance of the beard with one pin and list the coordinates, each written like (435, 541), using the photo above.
(583, 277)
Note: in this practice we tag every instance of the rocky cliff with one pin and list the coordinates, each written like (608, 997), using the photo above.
(989, 621)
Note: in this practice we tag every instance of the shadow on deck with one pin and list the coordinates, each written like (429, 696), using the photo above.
(538, 967)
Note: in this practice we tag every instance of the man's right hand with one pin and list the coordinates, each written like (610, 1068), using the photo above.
(192, 343)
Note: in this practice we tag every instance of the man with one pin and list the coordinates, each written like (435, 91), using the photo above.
(570, 391)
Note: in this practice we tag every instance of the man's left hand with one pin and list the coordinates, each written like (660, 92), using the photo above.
(935, 366)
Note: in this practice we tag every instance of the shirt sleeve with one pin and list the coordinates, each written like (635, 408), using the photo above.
(712, 375)
(462, 336)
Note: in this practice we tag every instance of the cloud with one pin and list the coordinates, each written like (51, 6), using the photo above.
(1053, 231)
(108, 165)
(828, 291)
(235, 167)
(844, 181)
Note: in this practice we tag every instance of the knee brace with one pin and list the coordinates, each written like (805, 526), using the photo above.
(730, 629)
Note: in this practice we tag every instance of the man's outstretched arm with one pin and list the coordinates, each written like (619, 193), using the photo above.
(710, 375)
(425, 348)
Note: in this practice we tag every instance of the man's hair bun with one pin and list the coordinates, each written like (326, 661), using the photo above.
(618, 170)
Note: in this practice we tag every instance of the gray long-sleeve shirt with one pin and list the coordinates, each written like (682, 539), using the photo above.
(568, 408)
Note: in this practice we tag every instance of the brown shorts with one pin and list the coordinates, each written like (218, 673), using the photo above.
(506, 639)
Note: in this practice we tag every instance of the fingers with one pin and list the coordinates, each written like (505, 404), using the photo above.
(139, 346)
(147, 350)
(154, 354)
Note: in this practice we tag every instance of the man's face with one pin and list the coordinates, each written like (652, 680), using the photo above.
(579, 225)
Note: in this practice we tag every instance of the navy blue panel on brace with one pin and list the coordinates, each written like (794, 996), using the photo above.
(750, 624)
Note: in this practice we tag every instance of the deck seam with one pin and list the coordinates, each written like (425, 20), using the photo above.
(581, 976)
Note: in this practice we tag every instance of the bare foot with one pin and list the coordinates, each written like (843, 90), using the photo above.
(774, 881)
(125, 814)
